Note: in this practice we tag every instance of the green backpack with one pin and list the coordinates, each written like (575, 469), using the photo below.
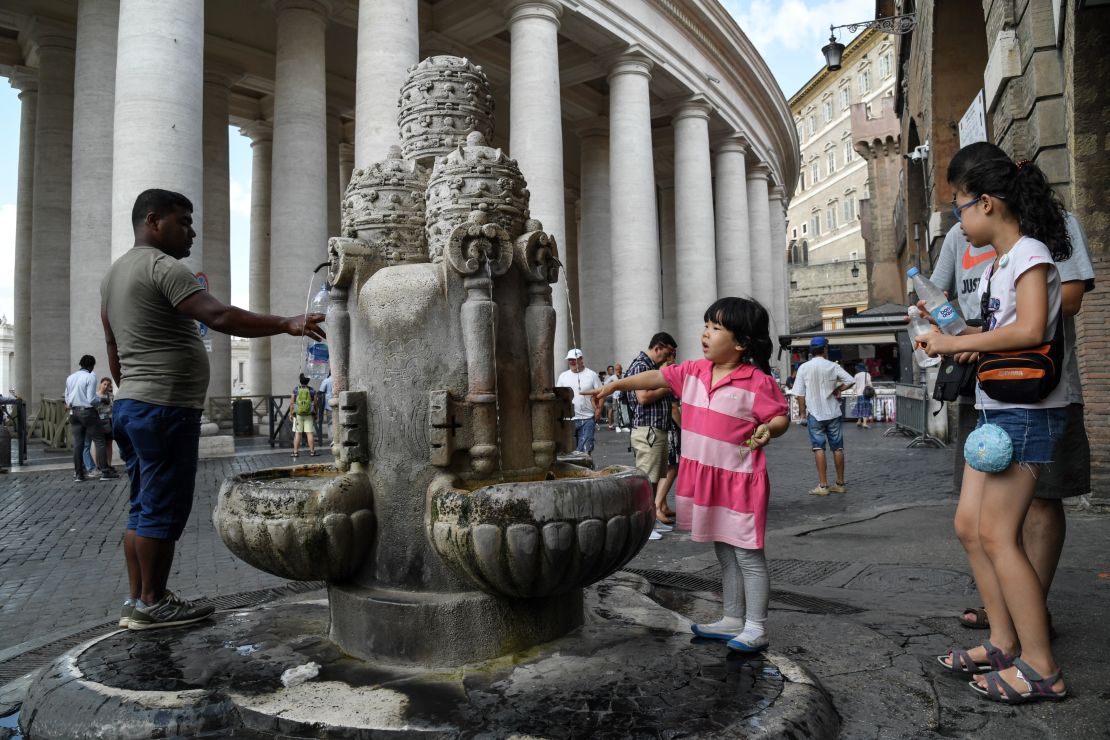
(303, 405)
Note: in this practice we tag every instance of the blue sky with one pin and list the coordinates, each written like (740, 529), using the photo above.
(788, 33)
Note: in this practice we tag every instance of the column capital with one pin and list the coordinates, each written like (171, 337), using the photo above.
(695, 106)
(777, 193)
(759, 171)
(24, 79)
(548, 10)
(258, 131)
(598, 126)
(736, 142)
(322, 9)
(45, 33)
(632, 61)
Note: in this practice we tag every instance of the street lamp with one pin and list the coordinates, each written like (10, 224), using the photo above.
(834, 50)
(855, 269)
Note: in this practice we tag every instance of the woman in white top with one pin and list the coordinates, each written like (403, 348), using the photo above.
(1012, 207)
(864, 409)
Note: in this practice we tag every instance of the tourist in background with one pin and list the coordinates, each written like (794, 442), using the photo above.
(651, 408)
(818, 387)
(864, 391)
(302, 411)
(104, 398)
(579, 379)
(80, 401)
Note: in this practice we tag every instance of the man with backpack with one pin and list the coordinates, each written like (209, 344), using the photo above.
(302, 409)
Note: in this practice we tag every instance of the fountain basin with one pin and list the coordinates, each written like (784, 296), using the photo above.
(308, 522)
(532, 539)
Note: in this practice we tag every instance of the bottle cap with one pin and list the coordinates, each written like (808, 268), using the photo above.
(912, 271)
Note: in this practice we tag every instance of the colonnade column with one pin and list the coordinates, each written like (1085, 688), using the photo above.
(216, 225)
(668, 257)
(759, 234)
(26, 81)
(91, 199)
(50, 214)
(595, 267)
(569, 256)
(346, 167)
(779, 316)
(262, 146)
(693, 219)
(299, 216)
(633, 225)
(157, 139)
(334, 134)
(388, 44)
(536, 127)
(734, 255)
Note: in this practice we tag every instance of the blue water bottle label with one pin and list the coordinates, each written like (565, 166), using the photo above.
(944, 314)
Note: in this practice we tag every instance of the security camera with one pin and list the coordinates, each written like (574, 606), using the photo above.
(918, 154)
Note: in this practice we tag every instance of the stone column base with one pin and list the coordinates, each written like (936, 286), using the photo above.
(444, 629)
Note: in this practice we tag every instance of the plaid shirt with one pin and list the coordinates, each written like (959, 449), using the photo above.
(656, 414)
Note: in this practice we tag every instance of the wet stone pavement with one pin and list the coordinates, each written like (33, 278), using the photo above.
(865, 585)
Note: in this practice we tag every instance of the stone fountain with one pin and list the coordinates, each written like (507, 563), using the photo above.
(455, 542)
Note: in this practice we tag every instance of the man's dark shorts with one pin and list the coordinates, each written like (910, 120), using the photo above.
(159, 445)
(1069, 473)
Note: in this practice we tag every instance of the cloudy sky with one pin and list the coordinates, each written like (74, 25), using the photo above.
(788, 33)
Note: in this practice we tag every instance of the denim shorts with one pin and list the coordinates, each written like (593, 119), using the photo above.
(159, 446)
(1034, 432)
(829, 429)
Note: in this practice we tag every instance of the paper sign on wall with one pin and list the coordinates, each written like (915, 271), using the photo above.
(973, 125)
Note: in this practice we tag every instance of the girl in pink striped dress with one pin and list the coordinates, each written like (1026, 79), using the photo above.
(731, 409)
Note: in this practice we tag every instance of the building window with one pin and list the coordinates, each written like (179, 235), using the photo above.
(802, 180)
(815, 223)
(867, 109)
(801, 132)
(884, 66)
(794, 233)
(830, 216)
(849, 151)
(811, 123)
(827, 109)
(805, 229)
(241, 372)
(846, 97)
(849, 208)
(864, 82)
(814, 173)
(853, 255)
(830, 161)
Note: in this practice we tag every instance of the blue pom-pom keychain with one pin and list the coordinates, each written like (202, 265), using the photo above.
(989, 449)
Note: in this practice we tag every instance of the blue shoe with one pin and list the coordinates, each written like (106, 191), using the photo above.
(757, 646)
(723, 636)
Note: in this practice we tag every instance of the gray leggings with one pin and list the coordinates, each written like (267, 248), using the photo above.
(745, 581)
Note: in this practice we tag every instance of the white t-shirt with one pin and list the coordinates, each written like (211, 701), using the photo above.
(863, 379)
(817, 381)
(578, 382)
(1002, 283)
(613, 379)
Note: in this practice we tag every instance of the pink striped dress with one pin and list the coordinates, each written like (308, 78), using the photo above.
(722, 495)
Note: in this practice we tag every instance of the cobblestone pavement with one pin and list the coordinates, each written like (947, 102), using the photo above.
(865, 584)
(61, 548)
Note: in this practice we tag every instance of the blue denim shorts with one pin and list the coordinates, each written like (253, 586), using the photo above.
(159, 446)
(1034, 432)
(820, 431)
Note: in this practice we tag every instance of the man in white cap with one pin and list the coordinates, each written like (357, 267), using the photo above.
(580, 378)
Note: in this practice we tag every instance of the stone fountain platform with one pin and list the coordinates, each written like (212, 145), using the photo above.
(633, 670)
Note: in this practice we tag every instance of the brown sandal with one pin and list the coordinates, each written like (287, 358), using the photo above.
(976, 619)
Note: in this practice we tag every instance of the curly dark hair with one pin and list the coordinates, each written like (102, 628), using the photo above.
(749, 323)
(984, 169)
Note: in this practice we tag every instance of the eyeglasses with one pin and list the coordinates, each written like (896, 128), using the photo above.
(957, 210)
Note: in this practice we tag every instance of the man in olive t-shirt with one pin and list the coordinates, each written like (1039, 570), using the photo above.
(149, 303)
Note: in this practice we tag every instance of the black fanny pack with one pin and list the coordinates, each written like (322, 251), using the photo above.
(1023, 376)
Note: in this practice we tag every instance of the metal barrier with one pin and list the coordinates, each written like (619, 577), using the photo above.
(280, 420)
(911, 415)
(13, 414)
(55, 423)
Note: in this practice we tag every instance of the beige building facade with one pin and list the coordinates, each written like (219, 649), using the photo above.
(824, 219)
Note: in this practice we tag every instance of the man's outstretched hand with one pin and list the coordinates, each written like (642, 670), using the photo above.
(307, 325)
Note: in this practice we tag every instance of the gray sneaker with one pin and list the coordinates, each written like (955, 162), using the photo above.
(170, 611)
(125, 615)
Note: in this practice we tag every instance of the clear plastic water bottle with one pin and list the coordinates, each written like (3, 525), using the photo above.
(316, 354)
(919, 325)
(942, 310)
